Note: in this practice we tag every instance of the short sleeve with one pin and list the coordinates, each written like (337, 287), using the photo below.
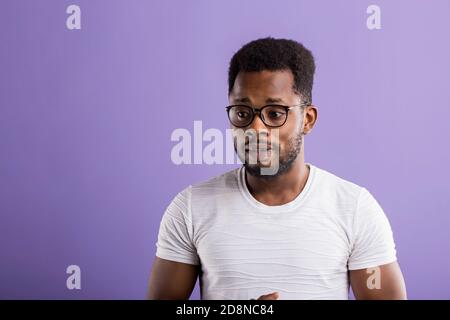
(373, 241)
(175, 231)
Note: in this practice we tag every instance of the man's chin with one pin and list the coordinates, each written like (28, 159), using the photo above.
(253, 169)
(260, 159)
(257, 170)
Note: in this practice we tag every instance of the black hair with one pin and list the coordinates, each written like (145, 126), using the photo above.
(274, 55)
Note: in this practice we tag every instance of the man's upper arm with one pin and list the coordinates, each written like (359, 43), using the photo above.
(176, 232)
(374, 271)
(383, 282)
(177, 263)
(372, 238)
(172, 280)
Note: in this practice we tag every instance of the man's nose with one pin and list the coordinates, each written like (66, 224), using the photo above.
(257, 124)
(260, 129)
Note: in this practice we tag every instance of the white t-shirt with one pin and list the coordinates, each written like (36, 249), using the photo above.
(302, 249)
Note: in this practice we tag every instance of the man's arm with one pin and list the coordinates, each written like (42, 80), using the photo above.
(172, 280)
(380, 283)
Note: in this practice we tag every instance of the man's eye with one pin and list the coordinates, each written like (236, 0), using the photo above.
(275, 114)
(242, 114)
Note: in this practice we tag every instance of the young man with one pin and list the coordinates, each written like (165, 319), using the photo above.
(299, 233)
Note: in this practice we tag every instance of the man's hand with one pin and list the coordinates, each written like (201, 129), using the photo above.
(270, 296)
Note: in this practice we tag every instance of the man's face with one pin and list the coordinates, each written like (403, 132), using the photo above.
(257, 89)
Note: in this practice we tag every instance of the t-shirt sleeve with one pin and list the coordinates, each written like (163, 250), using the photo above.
(373, 241)
(176, 232)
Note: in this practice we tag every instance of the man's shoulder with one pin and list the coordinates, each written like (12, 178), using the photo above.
(332, 184)
(225, 180)
(217, 185)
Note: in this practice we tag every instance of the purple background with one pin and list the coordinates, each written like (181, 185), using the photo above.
(86, 118)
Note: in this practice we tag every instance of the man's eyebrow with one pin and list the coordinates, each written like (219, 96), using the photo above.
(242, 100)
(274, 100)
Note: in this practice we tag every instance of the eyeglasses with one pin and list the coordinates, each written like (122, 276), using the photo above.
(273, 115)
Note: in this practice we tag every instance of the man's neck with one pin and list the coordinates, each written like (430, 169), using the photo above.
(281, 189)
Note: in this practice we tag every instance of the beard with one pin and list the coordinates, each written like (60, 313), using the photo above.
(286, 160)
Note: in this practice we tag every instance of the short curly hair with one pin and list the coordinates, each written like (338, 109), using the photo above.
(273, 55)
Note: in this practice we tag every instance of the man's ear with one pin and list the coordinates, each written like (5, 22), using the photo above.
(309, 118)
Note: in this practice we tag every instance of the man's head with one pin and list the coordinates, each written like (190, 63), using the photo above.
(273, 72)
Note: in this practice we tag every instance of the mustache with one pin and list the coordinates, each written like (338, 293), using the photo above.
(259, 145)
(256, 143)
(263, 138)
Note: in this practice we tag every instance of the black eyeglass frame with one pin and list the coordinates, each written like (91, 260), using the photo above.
(256, 110)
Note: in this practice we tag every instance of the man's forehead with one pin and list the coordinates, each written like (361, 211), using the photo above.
(270, 86)
(274, 82)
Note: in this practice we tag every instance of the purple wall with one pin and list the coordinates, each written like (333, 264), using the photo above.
(86, 117)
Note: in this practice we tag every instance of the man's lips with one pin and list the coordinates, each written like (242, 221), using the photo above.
(261, 148)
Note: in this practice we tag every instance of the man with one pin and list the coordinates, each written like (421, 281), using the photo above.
(299, 233)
